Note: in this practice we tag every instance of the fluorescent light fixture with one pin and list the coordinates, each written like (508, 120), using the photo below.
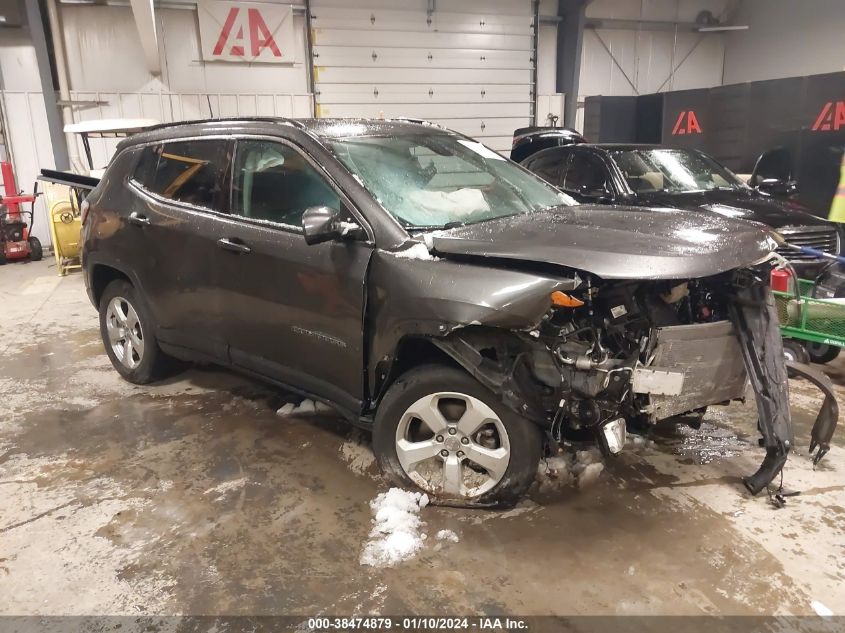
(718, 29)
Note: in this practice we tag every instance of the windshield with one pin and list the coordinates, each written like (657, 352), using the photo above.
(433, 180)
(672, 171)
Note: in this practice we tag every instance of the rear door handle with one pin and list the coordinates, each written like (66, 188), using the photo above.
(230, 245)
(139, 220)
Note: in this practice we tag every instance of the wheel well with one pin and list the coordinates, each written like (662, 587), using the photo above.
(102, 276)
(411, 352)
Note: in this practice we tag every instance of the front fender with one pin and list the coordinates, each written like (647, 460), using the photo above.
(433, 298)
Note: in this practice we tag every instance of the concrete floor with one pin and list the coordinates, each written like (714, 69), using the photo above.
(193, 497)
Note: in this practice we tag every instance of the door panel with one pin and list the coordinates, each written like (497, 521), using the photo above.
(183, 287)
(181, 187)
(292, 312)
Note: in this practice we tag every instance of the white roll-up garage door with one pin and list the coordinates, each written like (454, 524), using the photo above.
(465, 64)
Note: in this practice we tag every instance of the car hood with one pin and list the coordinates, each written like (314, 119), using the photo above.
(614, 242)
(742, 204)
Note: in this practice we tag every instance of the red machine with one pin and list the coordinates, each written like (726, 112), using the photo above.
(15, 239)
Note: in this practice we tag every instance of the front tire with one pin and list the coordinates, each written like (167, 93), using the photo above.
(440, 431)
(127, 330)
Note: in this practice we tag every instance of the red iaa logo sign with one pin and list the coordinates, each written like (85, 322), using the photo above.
(687, 123)
(232, 34)
(831, 117)
(245, 31)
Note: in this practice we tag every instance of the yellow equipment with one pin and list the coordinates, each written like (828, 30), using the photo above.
(65, 226)
(837, 207)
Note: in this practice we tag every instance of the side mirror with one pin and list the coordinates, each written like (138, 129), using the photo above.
(777, 187)
(321, 224)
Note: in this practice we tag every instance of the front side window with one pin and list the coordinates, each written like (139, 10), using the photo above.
(672, 171)
(430, 180)
(186, 171)
(274, 182)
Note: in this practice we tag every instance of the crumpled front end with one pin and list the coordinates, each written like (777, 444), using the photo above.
(631, 353)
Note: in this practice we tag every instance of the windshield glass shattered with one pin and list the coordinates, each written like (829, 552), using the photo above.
(672, 171)
(433, 180)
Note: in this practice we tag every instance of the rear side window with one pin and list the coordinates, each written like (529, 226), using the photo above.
(274, 182)
(548, 167)
(186, 171)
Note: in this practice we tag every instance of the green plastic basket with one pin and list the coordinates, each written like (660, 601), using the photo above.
(810, 319)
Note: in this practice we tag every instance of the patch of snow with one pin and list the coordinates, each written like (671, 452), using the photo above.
(306, 407)
(286, 409)
(396, 535)
(447, 535)
(348, 227)
(554, 473)
(417, 251)
(590, 475)
(636, 440)
(580, 469)
(357, 453)
(428, 238)
(524, 506)
(226, 486)
(821, 609)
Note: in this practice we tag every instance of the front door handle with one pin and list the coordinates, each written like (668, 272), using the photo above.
(230, 245)
(138, 220)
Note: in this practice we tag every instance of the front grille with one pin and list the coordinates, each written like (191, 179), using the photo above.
(822, 238)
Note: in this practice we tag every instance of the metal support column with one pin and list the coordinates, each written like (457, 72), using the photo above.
(35, 21)
(570, 40)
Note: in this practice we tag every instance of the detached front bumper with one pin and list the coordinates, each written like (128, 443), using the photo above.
(694, 366)
(755, 318)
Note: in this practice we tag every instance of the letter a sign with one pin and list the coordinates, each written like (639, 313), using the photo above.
(687, 123)
(831, 117)
(246, 32)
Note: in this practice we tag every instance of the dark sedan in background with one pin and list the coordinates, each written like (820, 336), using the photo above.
(657, 176)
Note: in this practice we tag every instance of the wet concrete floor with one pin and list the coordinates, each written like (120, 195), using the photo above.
(194, 497)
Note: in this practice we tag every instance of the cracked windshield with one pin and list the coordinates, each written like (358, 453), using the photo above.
(434, 180)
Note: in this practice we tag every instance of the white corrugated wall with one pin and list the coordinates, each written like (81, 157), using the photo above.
(106, 65)
(467, 65)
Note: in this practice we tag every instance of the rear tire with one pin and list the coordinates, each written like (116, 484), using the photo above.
(820, 353)
(36, 252)
(471, 424)
(128, 333)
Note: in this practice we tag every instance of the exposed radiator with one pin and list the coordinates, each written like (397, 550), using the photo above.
(708, 356)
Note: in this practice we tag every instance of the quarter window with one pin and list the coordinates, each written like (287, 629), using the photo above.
(274, 182)
(186, 171)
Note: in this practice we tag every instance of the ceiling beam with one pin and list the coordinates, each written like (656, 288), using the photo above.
(144, 13)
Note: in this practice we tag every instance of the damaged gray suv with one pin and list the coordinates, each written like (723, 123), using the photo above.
(469, 314)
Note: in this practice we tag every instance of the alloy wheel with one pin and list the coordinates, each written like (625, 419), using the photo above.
(452, 444)
(126, 336)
